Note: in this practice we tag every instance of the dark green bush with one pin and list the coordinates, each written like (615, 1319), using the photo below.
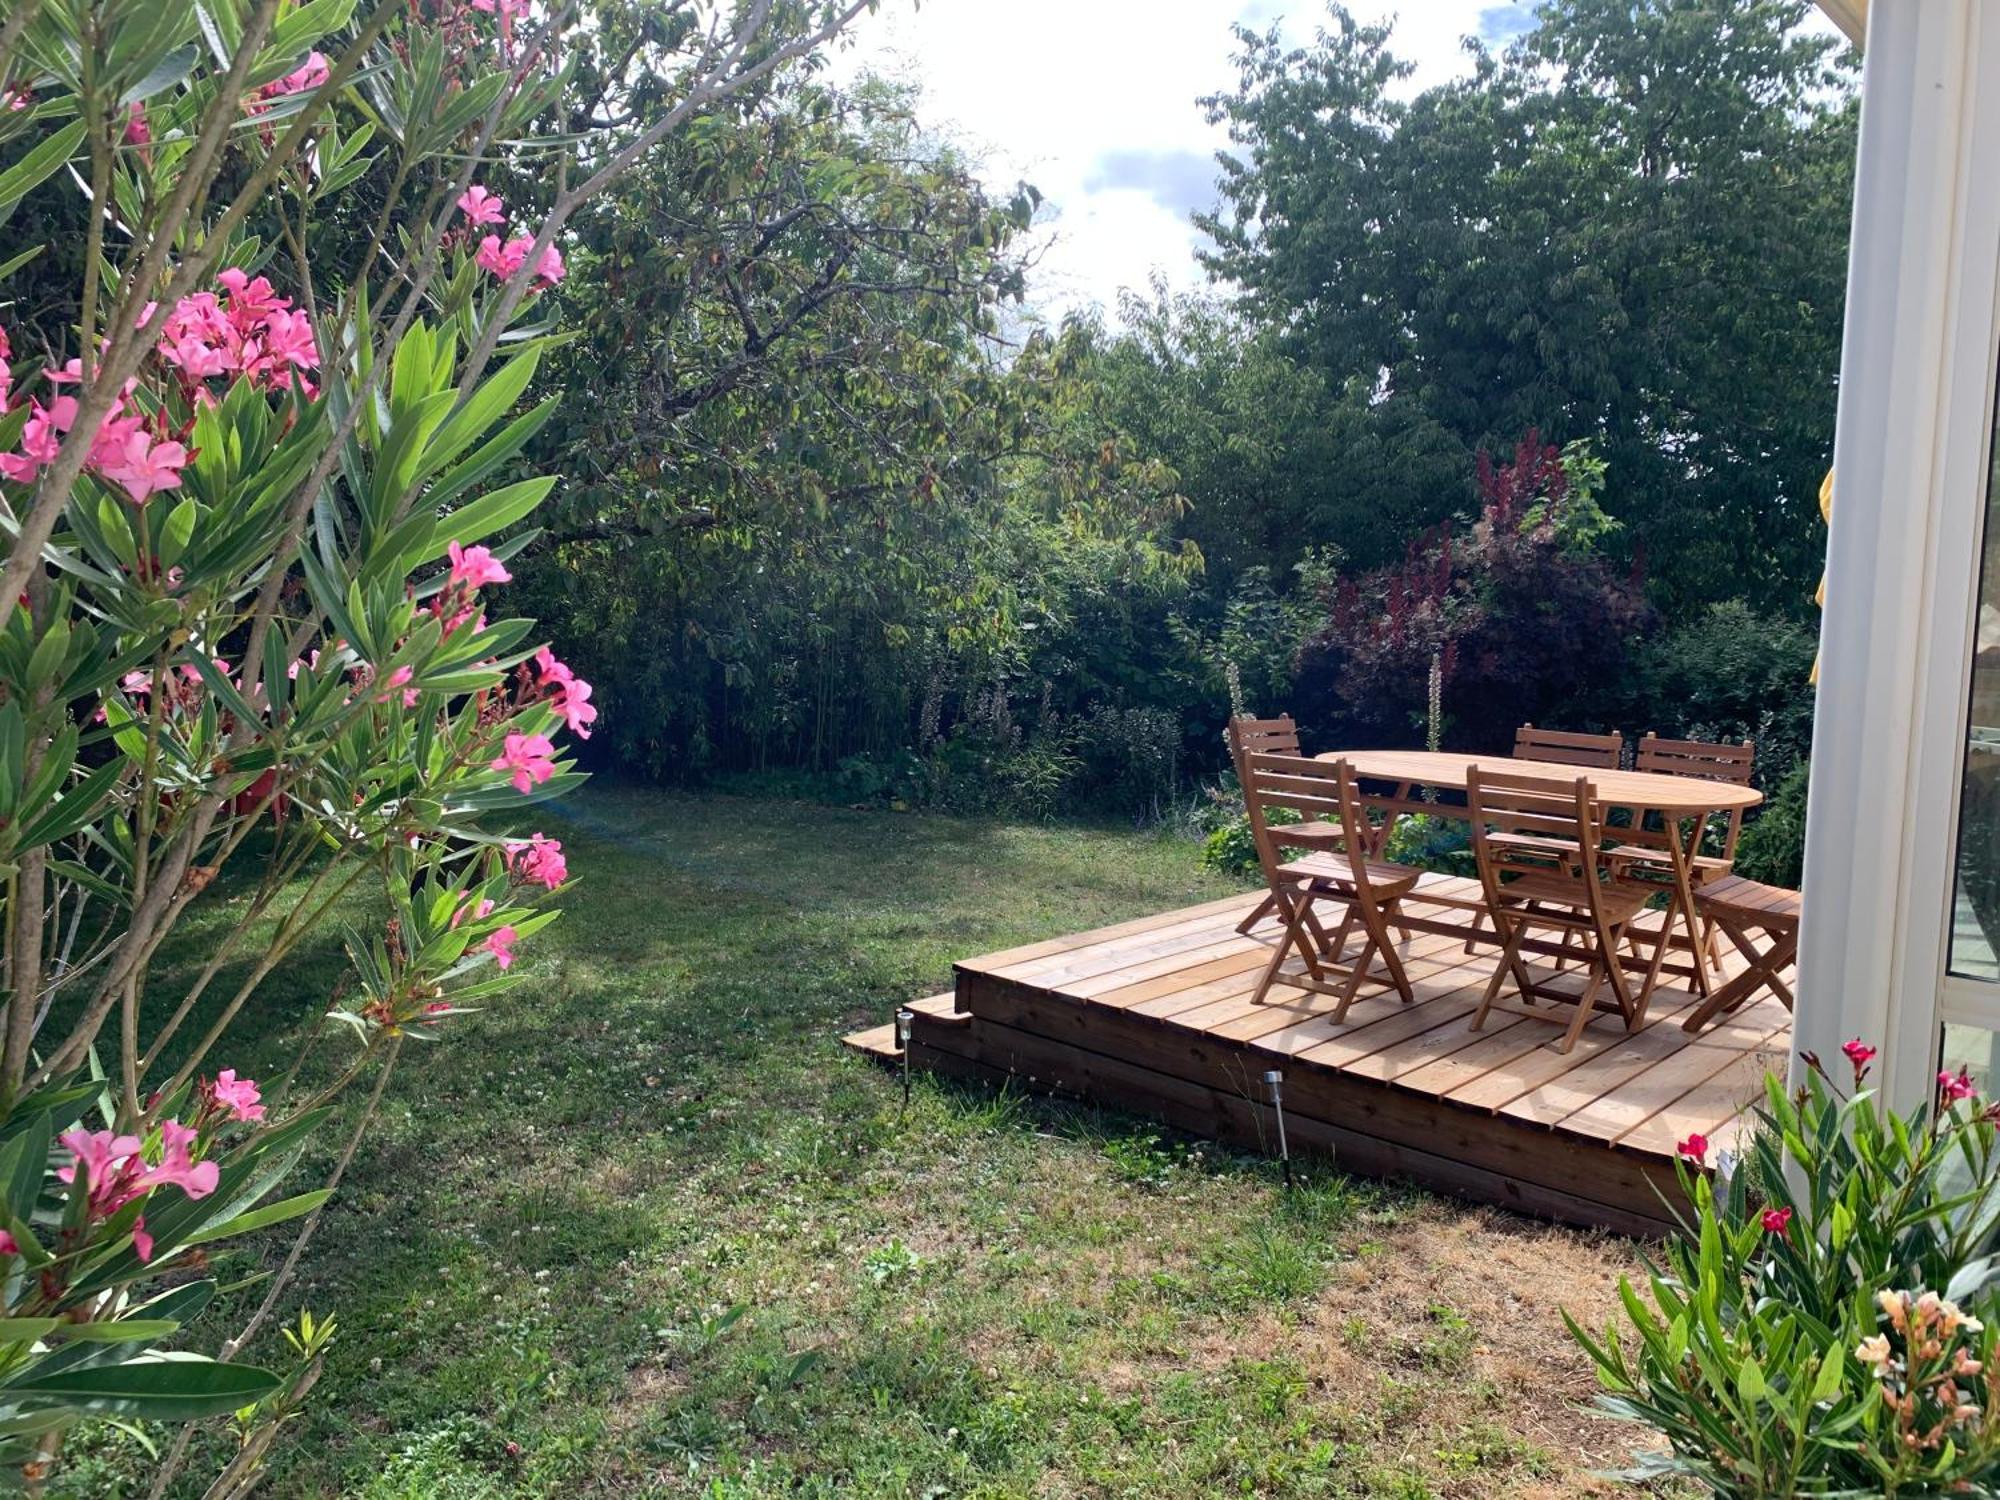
(1773, 848)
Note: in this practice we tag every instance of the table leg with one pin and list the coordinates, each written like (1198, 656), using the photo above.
(1682, 904)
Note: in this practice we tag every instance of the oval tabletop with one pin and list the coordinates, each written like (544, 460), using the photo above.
(1652, 790)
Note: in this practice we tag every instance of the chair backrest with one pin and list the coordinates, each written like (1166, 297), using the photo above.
(1712, 762)
(1600, 751)
(1279, 736)
(1557, 826)
(1317, 790)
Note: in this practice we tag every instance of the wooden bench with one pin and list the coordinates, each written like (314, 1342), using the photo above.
(1742, 909)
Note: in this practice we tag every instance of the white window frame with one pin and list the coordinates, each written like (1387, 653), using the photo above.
(1910, 491)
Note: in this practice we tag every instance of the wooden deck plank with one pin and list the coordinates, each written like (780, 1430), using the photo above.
(989, 962)
(1611, 1115)
(1707, 1107)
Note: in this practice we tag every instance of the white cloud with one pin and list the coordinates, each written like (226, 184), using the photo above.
(1093, 101)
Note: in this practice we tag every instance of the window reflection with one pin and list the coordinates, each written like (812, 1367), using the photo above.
(1975, 928)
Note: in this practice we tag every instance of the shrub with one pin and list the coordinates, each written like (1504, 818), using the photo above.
(1773, 846)
(1232, 849)
(1516, 612)
(1432, 843)
(1732, 674)
(1825, 1323)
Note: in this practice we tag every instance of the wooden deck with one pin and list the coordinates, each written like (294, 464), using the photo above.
(1154, 1016)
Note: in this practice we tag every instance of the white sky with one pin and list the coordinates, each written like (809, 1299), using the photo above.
(1093, 101)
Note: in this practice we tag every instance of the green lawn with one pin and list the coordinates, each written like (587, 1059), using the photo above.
(535, 1259)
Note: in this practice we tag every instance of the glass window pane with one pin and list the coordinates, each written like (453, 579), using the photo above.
(1975, 927)
(1970, 1048)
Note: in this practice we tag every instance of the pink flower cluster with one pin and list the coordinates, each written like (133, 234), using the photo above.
(250, 333)
(307, 76)
(501, 946)
(568, 692)
(128, 450)
(117, 1172)
(1953, 1087)
(539, 861)
(529, 757)
(233, 1098)
(503, 258)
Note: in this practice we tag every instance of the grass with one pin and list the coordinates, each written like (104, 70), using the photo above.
(644, 1229)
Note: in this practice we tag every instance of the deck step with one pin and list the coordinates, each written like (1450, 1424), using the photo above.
(880, 1042)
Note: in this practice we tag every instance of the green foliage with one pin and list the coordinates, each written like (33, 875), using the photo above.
(1429, 842)
(1773, 846)
(1547, 243)
(1733, 672)
(1825, 1324)
(1518, 616)
(1231, 849)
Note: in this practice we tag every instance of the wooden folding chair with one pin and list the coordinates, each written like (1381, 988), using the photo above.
(1367, 888)
(1539, 844)
(1279, 736)
(1604, 752)
(1735, 764)
(1742, 908)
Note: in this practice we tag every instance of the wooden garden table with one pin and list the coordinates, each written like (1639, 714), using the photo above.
(1681, 802)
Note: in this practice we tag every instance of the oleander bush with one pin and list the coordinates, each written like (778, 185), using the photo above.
(261, 480)
(1825, 1322)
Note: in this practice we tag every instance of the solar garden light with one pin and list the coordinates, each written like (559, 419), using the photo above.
(1274, 1081)
(905, 1020)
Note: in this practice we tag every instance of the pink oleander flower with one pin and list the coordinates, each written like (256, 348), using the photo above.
(8, 1244)
(569, 692)
(1776, 1220)
(482, 208)
(501, 260)
(194, 358)
(40, 440)
(501, 946)
(309, 75)
(549, 269)
(239, 1096)
(1694, 1149)
(288, 339)
(144, 467)
(1860, 1054)
(467, 909)
(539, 860)
(137, 131)
(1952, 1087)
(251, 298)
(474, 567)
(400, 678)
(177, 1166)
(507, 11)
(530, 757)
(105, 1158)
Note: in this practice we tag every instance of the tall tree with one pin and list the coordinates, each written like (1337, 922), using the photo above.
(1631, 227)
